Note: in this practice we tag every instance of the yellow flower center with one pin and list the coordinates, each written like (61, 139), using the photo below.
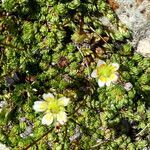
(105, 72)
(53, 106)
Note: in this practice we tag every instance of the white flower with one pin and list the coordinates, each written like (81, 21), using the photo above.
(53, 108)
(3, 1)
(3, 147)
(105, 73)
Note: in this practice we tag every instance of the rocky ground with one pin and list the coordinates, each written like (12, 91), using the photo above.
(136, 15)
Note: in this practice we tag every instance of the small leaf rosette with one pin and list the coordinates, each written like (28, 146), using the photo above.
(53, 109)
(105, 73)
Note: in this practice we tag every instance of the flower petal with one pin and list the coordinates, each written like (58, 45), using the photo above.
(114, 77)
(100, 62)
(4, 147)
(62, 117)
(94, 74)
(63, 101)
(47, 119)
(48, 95)
(115, 65)
(103, 79)
(100, 83)
(39, 106)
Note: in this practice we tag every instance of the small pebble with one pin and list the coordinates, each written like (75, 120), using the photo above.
(128, 86)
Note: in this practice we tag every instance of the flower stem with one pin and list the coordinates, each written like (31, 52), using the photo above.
(85, 61)
(143, 129)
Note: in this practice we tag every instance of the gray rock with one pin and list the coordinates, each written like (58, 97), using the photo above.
(136, 15)
(128, 86)
(2, 104)
(144, 47)
(27, 132)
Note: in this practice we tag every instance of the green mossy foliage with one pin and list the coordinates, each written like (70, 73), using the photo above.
(53, 46)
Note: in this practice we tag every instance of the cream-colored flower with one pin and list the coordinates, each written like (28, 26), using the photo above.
(105, 73)
(3, 1)
(53, 108)
(3, 147)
